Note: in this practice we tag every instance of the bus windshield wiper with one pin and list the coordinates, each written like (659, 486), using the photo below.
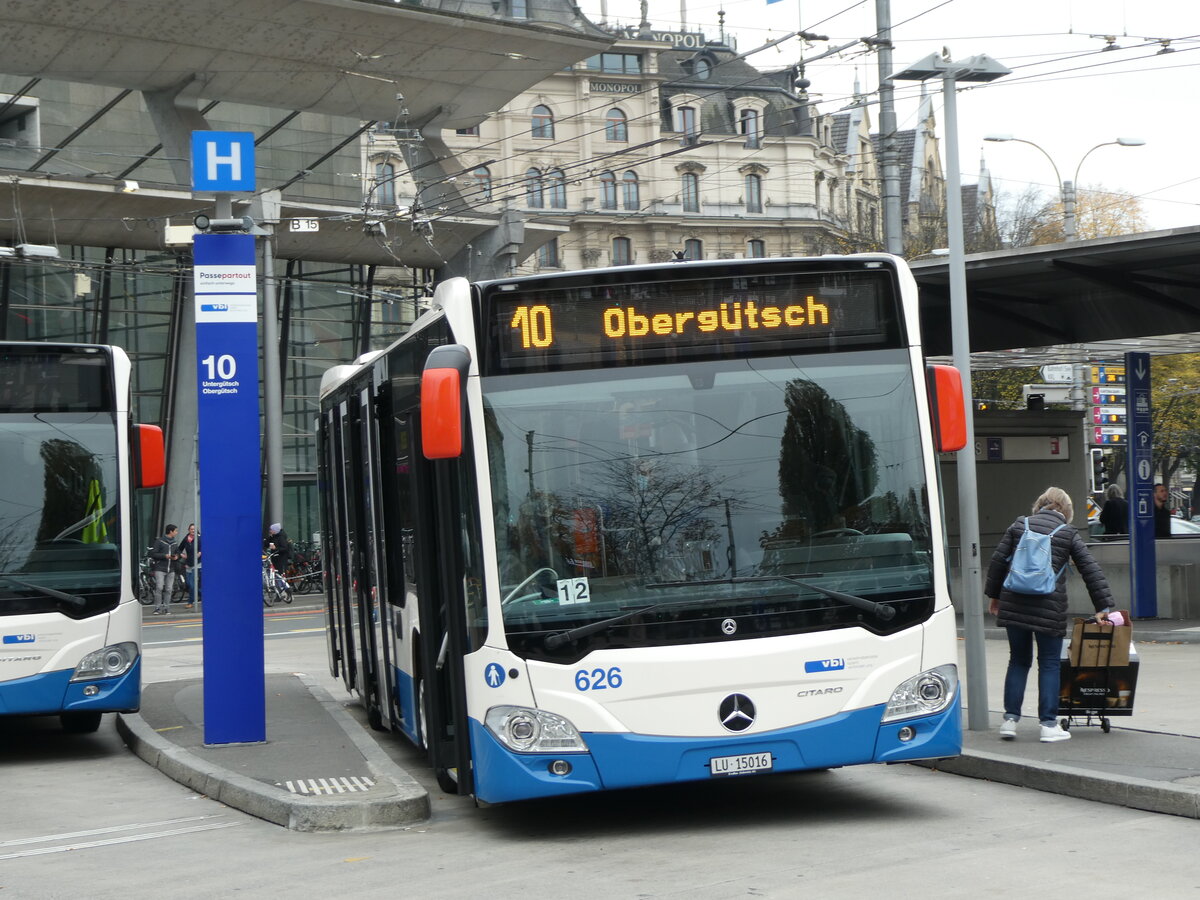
(554, 641)
(882, 610)
(74, 599)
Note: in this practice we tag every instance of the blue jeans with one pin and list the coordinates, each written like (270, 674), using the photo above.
(189, 578)
(1020, 659)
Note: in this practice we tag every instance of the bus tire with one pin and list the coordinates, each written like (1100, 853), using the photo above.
(446, 780)
(80, 722)
(375, 717)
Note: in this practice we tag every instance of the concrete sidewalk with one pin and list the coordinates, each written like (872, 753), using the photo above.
(320, 770)
(1149, 760)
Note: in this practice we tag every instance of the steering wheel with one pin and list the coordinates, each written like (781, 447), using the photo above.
(513, 597)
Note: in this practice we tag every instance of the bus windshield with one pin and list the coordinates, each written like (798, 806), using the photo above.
(59, 521)
(714, 500)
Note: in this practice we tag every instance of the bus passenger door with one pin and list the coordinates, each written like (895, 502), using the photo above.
(442, 616)
(341, 653)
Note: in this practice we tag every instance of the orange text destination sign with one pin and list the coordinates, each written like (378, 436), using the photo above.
(623, 323)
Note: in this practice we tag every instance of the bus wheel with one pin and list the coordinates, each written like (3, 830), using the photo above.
(446, 780)
(375, 717)
(80, 722)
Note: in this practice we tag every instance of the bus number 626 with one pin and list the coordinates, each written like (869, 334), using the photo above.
(599, 679)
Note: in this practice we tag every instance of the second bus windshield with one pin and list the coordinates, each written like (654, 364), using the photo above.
(710, 491)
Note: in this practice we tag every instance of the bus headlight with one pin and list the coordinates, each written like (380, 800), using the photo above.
(533, 730)
(924, 694)
(110, 662)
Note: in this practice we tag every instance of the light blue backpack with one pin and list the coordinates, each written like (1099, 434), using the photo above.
(1031, 570)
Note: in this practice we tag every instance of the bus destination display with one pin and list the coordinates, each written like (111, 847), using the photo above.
(622, 322)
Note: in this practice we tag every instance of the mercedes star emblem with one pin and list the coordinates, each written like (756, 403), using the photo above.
(729, 626)
(736, 712)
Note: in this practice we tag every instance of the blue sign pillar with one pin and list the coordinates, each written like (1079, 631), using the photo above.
(230, 488)
(1140, 479)
(226, 292)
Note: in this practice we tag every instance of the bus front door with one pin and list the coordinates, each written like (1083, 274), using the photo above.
(441, 691)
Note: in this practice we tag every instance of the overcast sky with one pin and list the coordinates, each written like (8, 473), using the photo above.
(1067, 93)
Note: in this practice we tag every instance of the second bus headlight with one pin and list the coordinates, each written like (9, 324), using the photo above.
(109, 662)
(533, 730)
(924, 694)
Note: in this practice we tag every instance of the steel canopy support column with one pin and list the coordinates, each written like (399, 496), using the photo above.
(968, 491)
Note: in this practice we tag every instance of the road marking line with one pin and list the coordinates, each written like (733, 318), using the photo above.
(87, 845)
(109, 830)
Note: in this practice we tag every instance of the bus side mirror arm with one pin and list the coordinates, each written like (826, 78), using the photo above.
(444, 402)
(947, 408)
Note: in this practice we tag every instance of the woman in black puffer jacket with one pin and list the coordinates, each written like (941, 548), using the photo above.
(1041, 617)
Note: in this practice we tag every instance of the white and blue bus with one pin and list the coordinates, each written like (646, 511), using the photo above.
(70, 622)
(647, 524)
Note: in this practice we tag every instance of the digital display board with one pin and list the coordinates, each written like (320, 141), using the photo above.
(48, 378)
(552, 324)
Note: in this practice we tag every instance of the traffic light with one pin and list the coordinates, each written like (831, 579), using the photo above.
(1099, 471)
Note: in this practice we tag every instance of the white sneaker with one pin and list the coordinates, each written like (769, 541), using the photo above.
(1008, 731)
(1052, 733)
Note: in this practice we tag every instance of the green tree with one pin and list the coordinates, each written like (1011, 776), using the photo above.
(1003, 387)
(1175, 412)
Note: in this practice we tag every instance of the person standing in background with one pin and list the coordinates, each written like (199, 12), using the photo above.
(1114, 517)
(189, 552)
(162, 555)
(1162, 512)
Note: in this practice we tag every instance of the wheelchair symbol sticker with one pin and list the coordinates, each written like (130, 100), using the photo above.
(494, 675)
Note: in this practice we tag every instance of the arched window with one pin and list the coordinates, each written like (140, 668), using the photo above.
(622, 251)
(629, 191)
(693, 249)
(608, 191)
(616, 126)
(556, 187)
(542, 123)
(749, 124)
(703, 69)
(756, 249)
(385, 185)
(483, 183)
(689, 189)
(534, 198)
(753, 194)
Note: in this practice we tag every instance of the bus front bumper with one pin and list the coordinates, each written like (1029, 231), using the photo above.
(622, 760)
(51, 693)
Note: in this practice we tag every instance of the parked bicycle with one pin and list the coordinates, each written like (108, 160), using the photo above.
(304, 571)
(275, 586)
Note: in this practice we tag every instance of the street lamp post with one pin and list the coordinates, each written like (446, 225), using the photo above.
(981, 68)
(1066, 188)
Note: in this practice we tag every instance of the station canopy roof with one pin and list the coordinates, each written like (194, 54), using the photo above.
(340, 57)
(451, 63)
(1071, 302)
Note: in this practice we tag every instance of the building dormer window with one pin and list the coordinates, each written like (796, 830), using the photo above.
(702, 68)
(750, 125)
(687, 122)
